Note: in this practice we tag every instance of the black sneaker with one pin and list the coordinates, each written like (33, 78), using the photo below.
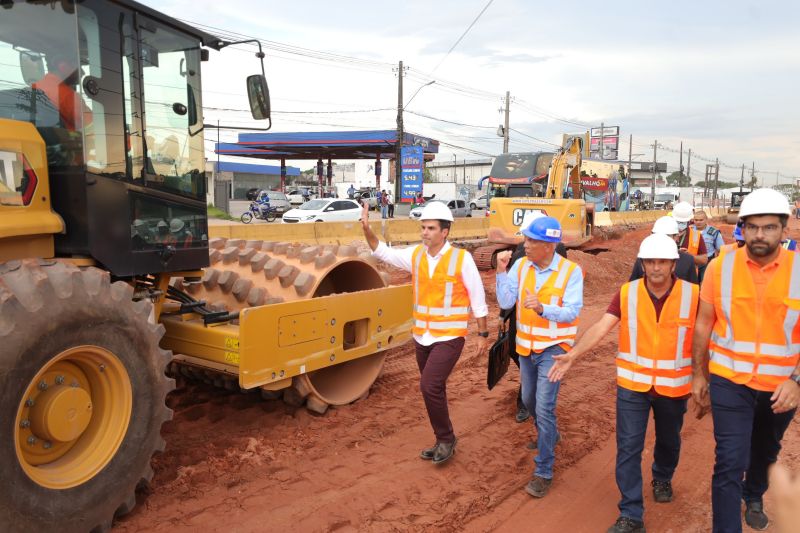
(522, 414)
(754, 515)
(662, 491)
(428, 453)
(626, 525)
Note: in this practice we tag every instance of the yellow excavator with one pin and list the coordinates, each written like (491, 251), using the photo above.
(109, 283)
(560, 196)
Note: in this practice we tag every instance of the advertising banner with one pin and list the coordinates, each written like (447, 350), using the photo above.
(411, 172)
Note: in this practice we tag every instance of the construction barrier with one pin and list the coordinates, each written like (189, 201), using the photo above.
(626, 218)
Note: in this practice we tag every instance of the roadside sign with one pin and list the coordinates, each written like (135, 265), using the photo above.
(411, 172)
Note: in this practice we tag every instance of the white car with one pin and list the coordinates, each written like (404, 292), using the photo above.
(481, 202)
(459, 208)
(324, 210)
(296, 196)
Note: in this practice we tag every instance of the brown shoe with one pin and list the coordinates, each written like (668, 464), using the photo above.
(444, 451)
(538, 487)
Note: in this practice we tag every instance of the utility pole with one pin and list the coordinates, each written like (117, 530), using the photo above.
(630, 160)
(680, 181)
(600, 149)
(505, 127)
(716, 178)
(752, 175)
(398, 157)
(741, 180)
(689, 170)
(653, 184)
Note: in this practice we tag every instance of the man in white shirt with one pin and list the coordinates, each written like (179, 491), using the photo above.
(447, 286)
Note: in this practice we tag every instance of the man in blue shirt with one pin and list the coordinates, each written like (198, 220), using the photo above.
(549, 293)
(711, 236)
(263, 203)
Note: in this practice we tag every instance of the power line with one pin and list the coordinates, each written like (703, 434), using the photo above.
(463, 34)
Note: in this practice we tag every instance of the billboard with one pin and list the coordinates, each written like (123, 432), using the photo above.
(610, 148)
(411, 172)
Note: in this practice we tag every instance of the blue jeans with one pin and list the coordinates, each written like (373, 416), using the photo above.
(384, 211)
(633, 411)
(539, 396)
(748, 436)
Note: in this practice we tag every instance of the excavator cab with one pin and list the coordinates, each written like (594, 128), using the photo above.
(114, 90)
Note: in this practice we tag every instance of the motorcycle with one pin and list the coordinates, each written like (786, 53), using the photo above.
(255, 212)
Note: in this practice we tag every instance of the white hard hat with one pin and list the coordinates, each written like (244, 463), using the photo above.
(658, 246)
(666, 225)
(436, 211)
(683, 212)
(529, 217)
(764, 202)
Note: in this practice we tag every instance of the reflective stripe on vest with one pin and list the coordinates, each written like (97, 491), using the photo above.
(441, 302)
(666, 341)
(761, 347)
(693, 245)
(534, 332)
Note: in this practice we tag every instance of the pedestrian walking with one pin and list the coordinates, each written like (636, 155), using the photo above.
(384, 203)
(685, 268)
(797, 208)
(351, 192)
(746, 358)
(509, 315)
(548, 292)
(712, 237)
(390, 203)
(446, 288)
(690, 240)
(654, 365)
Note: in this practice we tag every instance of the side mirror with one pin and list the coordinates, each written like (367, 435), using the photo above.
(258, 94)
(32, 67)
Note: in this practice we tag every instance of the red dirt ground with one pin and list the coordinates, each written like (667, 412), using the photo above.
(237, 463)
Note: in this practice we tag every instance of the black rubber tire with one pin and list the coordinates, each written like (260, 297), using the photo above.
(247, 216)
(271, 215)
(47, 307)
(473, 207)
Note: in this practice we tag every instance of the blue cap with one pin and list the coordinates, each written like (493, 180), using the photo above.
(737, 233)
(546, 229)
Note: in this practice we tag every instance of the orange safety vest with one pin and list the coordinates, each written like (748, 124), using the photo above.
(694, 240)
(534, 332)
(441, 302)
(755, 343)
(656, 353)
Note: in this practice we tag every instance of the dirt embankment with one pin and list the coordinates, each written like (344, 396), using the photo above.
(235, 462)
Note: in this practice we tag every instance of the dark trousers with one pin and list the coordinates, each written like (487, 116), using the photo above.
(435, 364)
(391, 210)
(748, 436)
(515, 357)
(633, 411)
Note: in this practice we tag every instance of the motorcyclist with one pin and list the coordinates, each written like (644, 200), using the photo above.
(262, 203)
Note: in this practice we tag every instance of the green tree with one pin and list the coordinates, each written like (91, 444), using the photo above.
(679, 179)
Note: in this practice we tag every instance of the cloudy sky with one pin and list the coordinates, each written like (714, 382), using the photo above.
(722, 77)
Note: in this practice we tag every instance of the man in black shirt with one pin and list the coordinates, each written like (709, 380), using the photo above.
(685, 268)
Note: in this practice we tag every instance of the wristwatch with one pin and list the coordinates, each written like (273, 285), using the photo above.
(484, 334)
(795, 378)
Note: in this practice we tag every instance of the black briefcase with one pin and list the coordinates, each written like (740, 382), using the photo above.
(499, 357)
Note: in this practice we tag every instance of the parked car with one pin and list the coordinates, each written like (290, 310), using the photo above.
(368, 196)
(481, 202)
(252, 194)
(459, 208)
(324, 210)
(279, 201)
(301, 195)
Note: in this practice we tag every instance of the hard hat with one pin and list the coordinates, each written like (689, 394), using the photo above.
(658, 246)
(176, 225)
(764, 202)
(545, 228)
(683, 212)
(666, 225)
(436, 211)
(528, 219)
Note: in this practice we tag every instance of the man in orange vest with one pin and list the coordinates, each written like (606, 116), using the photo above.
(746, 358)
(447, 286)
(690, 239)
(548, 291)
(656, 317)
(59, 85)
